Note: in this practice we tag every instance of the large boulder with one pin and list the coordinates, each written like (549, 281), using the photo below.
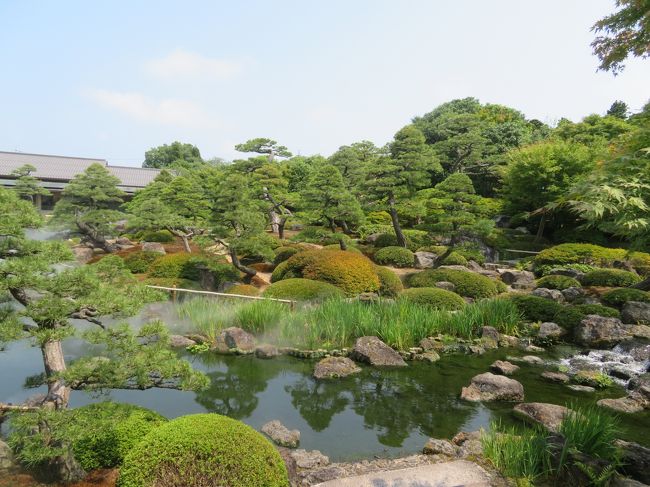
(550, 331)
(635, 312)
(179, 341)
(156, 247)
(281, 435)
(491, 387)
(236, 338)
(309, 459)
(599, 331)
(424, 260)
(82, 253)
(6, 457)
(335, 367)
(503, 367)
(517, 279)
(572, 294)
(373, 351)
(635, 459)
(548, 415)
(266, 351)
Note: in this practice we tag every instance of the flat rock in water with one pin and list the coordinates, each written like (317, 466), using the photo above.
(239, 339)
(503, 367)
(491, 387)
(179, 341)
(335, 367)
(372, 350)
(548, 415)
(281, 435)
(558, 377)
(578, 388)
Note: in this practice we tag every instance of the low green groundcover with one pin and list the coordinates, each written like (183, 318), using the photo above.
(554, 281)
(610, 278)
(203, 450)
(466, 283)
(618, 297)
(433, 297)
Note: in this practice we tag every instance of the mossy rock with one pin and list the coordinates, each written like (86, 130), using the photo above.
(466, 283)
(395, 256)
(557, 282)
(569, 317)
(610, 278)
(302, 290)
(201, 450)
(390, 285)
(616, 298)
(433, 297)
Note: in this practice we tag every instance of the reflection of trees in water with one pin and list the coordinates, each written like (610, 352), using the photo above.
(318, 401)
(234, 392)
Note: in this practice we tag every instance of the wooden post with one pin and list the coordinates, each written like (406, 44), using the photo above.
(174, 293)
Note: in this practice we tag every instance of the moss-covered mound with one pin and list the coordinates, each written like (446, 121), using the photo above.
(570, 316)
(467, 283)
(351, 272)
(616, 298)
(589, 254)
(610, 278)
(202, 450)
(390, 285)
(244, 290)
(433, 297)
(302, 290)
(557, 282)
(395, 256)
(534, 308)
(284, 252)
(140, 261)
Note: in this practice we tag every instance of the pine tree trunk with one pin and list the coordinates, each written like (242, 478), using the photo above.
(441, 258)
(540, 228)
(97, 239)
(345, 227)
(281, 225)
(401, 239)
(54, 361)
(275, 221)
(186, 244)
(250, 272)
(332, 224)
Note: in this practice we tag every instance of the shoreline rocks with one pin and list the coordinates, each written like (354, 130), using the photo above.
(600, 332)
(372, 350)
(503, 367)
(281, 435)
(491, 387)
(548, 415)
(335, 367)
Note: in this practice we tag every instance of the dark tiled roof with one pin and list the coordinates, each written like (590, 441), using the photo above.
(62, 168)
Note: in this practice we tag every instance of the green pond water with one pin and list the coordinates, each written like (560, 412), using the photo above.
(379, 412)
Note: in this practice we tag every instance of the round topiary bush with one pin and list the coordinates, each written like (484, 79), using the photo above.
(386, 240)
(610, 278)
(244, 290)
(162, 236)
(578, 253)
(616, 298)
(395, 256)
(139, 262)
(466, 283)
(279, 272)
(302, 290)
(433, 297)
(284, 252)
(351, 272)
(554, 281)
(202, 450)
(338, 247)
(534, 308)
(390, 285)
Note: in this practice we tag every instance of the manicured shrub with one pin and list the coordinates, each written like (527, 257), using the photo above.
(433, 297)
(351, 272)
(201, 450)
(640, 261)
(575, 253)
(373, 228)
(471, 254)
(338, 247)
(390, 285)
(467, 283)
(569, 317)
(284, 252)
(610, 278)
(379, 217)
(162, 236)
(279, 272)
(99, 435)
(555, 281)
(616, 298)
(386, 240)
(534, 308)
(544, 270)
(140, 261)
(395, 256)
(455, 258)
(302, 290)
(243, 289)
(173, 265)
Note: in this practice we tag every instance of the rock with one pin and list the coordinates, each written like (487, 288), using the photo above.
(550, 331)
(572, 294)
(430, 343)
(153, 247)
(620, 372)
(491, 387)
(179, 341)
(309, 459)
(558, 377)
(266, 351)
(239, 339)
(533, 349)
(508, 341)
(552, 294)
(430, 356)
(517, 279)
(490, 333)
(640, 353)
(599, 331)
(424, 260)
(625, 482)
(83, 254)
(503, 367)
(6, 457)
(335, 367)
(123, 241)
(548, 415)
(621, 405)
(635, 459)
(532, 359)
(560, 271)
(635, 312)
(471, 449)
(579, 388)
(640, 331)
(446, 285)
(372, 350)
(281, 435)
(641, 385)
(439, 447)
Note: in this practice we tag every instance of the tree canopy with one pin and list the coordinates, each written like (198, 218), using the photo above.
(176, 154)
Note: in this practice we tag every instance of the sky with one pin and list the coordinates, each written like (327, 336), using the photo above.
(113, 79)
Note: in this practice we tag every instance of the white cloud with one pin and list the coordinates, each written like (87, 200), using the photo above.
(166, 111)
(190, 65)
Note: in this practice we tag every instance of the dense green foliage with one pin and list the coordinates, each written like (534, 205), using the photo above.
(302, 290)
(433, 297)
(555, 281)
(616, 298)
(610, 278)
(534, 308)
(204, 449)
(466, 283)
(394, 256)
(162, 236)
(139, 262)
(284, 252)
(244, 290)
(569, 317)
(390, 285)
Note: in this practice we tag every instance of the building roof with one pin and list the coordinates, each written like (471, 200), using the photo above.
(63, 168)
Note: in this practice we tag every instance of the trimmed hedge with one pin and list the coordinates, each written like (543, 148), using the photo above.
(467, 283)
(243, 289)
(186, 266)
(395, 256)
(544, 270)
(555, 281)
(610, 278)
(570, 316)
(433, 297)
(162, 236)
(576, 253)
(616, 298)
(139, 262)
(204, 449)
(390, 285)
(284, 252)
(534, 308)
(302, 290)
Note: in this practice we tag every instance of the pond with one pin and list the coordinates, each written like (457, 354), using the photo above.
(379, 412)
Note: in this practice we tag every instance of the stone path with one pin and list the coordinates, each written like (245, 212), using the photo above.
(459, 473)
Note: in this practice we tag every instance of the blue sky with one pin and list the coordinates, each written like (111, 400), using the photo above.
(113, 79)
